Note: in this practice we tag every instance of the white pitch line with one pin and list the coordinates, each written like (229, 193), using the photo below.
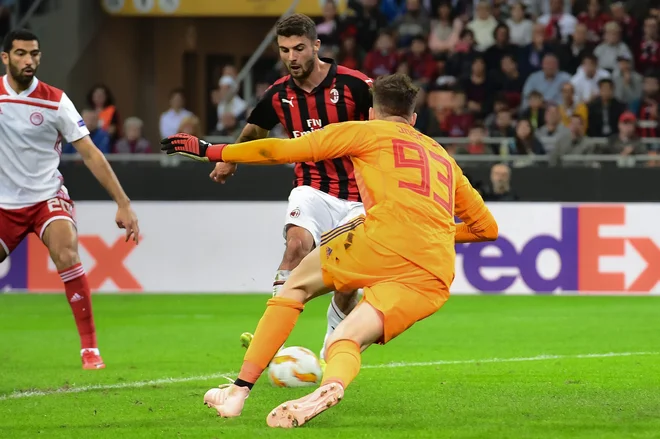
(137, 384)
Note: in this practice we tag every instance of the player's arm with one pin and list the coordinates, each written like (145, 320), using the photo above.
(74, 131)
(478, 224)
(336, 140)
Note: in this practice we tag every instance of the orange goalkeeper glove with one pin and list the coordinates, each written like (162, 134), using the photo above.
(192, 147)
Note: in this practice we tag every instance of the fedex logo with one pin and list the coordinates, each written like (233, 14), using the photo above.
(598, 249)
(29, 266)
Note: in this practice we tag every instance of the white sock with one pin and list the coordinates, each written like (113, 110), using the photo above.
(335, 317)
(280, 277)
(95, 350)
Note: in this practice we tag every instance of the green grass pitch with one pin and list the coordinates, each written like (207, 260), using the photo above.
(483, 367)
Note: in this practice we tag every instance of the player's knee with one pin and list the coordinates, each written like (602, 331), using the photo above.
(296, 249)
(65, 257)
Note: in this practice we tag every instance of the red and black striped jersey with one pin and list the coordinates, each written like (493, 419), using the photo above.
(344, 95)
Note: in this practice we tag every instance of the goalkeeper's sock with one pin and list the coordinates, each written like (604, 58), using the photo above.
(280, 277)
(344, 361)
(272, 331)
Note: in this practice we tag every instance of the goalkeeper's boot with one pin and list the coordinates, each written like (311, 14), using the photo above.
(296, 413)
(91, 359)
(227, 399)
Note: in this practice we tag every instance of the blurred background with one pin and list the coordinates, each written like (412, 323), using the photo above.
(562, 94)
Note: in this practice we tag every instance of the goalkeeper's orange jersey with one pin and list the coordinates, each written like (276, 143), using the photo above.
(410, 186)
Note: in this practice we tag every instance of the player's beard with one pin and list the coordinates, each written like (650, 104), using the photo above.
(305, 70)
(20, 76)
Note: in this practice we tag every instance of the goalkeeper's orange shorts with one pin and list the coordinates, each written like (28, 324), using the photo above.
(401, 291)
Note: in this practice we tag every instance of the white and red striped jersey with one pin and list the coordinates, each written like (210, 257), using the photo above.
(32, 125)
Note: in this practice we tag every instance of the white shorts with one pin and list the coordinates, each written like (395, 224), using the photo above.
(318, 212)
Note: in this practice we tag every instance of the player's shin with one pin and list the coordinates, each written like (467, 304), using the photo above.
(335, 317)
(343, 362)
(79, 297)
(272, 331)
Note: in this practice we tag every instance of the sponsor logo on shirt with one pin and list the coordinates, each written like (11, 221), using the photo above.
(81, 123)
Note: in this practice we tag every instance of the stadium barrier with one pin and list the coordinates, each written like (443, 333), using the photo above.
(235, 247)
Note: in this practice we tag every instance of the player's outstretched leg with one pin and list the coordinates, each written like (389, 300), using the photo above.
(305, 283)
(61, 239)
(358, 331)
(299, 242)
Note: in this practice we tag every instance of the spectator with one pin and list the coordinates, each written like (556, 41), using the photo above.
(575, 50)
(553, 134)
(415, 21)
(190, 125)
(525, 142)
(423, 111)
(509, 81)
(366, 20)
(328, 29)
(133, 142)
(611, 48)
(483, 25)
(535, 113)
(499, 188)
(627, 24)
(520, 27)
(648, 112)
(625, 142)
(594, 19)
(101, 100)
(460, 63)
(442, 76)
(586, 80)
(503, 126)
(531, 56)
(578, 145)
(230, 126)
(383, 59)
(502, 47)
(548, 81)
(445, 31)
(171, 119)
(420, 61)
(229, 101)
(627, 83)
(230, 70)
(649, 49)
(499, 103)
(476, 137)
(350, 55)
(570, 107)
(604, 111)
(559, 25)
(476, 87)
(542, 7)
(458, 121)
(100, 137)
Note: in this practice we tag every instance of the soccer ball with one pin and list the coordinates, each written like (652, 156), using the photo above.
(295, 367)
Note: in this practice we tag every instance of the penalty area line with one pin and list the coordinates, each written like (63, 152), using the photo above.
(161, 381)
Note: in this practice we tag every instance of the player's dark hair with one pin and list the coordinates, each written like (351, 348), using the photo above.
(18, 35)
(395, 95)
(297, 25)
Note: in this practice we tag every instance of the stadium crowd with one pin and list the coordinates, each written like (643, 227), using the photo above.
(542, 76)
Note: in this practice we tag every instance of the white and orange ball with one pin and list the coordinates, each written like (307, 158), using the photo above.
(295, 366)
